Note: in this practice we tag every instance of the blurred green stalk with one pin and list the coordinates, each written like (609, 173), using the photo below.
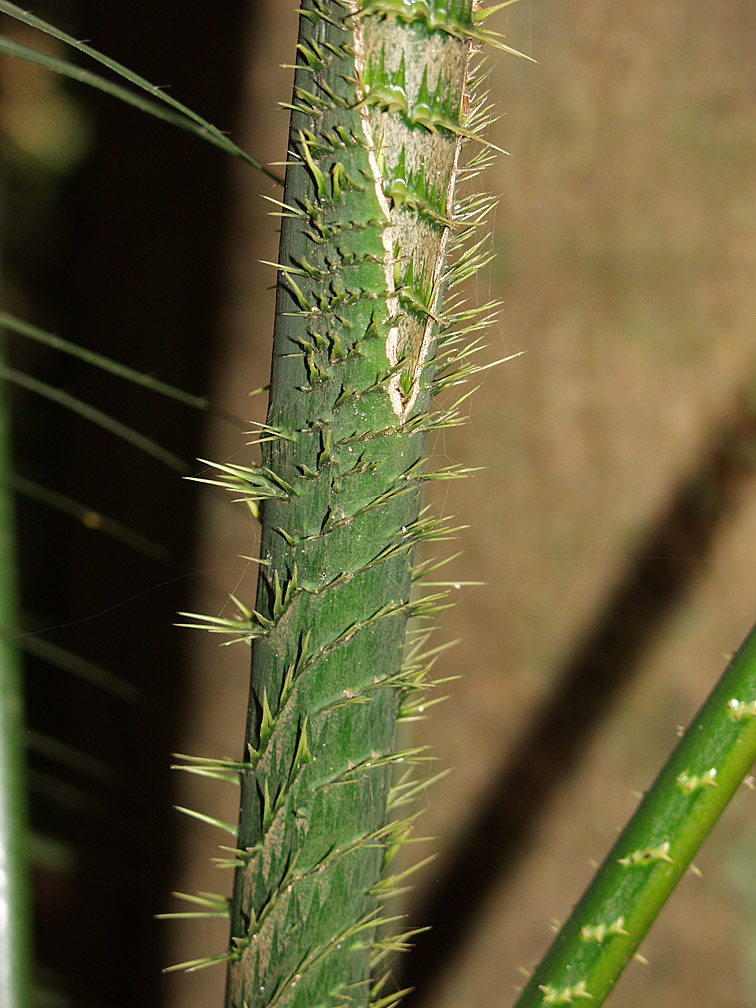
(656, 847)
(15, 903)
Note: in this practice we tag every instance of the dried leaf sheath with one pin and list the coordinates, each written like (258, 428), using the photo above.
(377, 122)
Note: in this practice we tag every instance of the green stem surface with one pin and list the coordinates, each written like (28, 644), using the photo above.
(656, 847)
(376, 130)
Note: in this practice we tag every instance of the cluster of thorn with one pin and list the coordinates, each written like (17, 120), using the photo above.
(338, 490)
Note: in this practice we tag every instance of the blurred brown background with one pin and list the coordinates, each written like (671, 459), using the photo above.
(613, 522)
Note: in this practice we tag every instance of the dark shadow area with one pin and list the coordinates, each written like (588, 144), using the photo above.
(128, 259)
(666, 565)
